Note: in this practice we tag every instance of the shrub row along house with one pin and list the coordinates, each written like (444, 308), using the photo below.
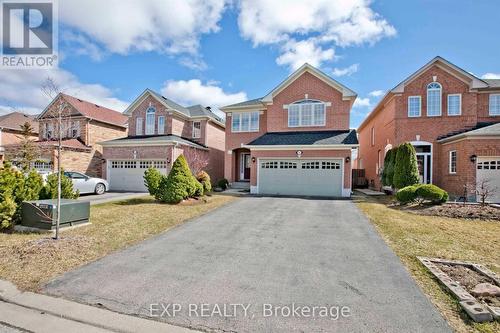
(450, 116)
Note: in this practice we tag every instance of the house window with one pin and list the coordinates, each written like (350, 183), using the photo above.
(75, 129)
(245, 121)
(453, 161)
(433, 99)
(414, 106)
(196, 129)
(306, 113)
(454, 104)
(49, 131)
(495, 105)
(379, 162)
(138, 126)
(373, 136)
(150, 121)
(161, 125)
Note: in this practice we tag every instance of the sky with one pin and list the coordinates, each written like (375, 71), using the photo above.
(219, 52)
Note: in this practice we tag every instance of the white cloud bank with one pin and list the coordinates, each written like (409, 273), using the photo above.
(345, 71)
(491, 76)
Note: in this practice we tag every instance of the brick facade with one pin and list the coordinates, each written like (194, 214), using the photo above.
(392, 126)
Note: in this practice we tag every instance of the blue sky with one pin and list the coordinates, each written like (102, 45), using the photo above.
(216, 52)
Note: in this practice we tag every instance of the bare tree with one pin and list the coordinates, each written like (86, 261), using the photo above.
(197, 159)
(484, 190)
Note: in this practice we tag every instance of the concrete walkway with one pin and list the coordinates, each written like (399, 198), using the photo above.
(271, 255)
(26, 311)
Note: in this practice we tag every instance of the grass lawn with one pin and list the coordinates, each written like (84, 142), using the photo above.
(411, 235)
(30, 260)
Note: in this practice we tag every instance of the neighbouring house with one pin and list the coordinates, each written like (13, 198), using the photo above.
(295, 140)
(10, 132)
(83, 125)
(450, 116)
(159, 131)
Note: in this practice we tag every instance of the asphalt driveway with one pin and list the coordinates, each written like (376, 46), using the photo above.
(267, 255)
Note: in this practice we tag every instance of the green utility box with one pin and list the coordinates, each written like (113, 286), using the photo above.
(41, 214)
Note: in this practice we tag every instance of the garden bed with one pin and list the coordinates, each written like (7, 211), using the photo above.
(456, 211)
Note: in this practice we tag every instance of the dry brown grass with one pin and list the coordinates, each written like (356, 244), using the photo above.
(29, 260)
(411, 235)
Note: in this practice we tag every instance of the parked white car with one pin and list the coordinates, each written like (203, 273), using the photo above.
(87, 184)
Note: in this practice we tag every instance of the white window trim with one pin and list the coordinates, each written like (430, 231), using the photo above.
(196, 130)
(489, 105)
(459, 105)
(441, 100)
(150, 128)
(233, 130)
(372, 136)
(138, 129)
(449, 162)
(419, 106)
(323, 123)
(161, 129)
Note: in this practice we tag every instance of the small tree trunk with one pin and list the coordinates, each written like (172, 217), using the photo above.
(59, 144)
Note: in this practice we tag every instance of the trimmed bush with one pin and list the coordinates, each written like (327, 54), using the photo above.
(180, 183)
(388, 172)
(405, 167)
(223, 183)
(49, 191)
(407, 194)
(204, 179)
(152, 179)
(199, 190)
(431, 193)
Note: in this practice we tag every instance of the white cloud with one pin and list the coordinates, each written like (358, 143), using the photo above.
(124, 26)
(334, 22)
(490, 76)
(22, 90)
(376, 93)
(362, 102)
(295, 54)
(345, 71)
(196, 92)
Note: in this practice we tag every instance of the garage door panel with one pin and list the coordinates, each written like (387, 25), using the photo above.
(488, 171)
(129, 175)
(300, 177)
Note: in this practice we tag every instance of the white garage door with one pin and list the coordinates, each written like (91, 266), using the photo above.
(300, 177)
(128, 175)
(488, 170)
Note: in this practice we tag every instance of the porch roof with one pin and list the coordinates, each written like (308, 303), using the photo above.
(301, 138)
(152, 140)
(480, 129)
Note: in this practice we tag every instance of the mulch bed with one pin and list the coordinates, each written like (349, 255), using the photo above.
(456, 211)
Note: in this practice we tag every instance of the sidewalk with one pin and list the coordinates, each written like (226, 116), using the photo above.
(26, 311)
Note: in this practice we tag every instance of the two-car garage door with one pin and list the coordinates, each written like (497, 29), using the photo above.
(300, 177)
(129, 175)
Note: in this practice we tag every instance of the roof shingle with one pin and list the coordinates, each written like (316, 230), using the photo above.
(315, 138)
(14, 120)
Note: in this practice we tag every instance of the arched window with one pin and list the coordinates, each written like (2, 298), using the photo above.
(306, 112)
(150, 120)
(433, 99)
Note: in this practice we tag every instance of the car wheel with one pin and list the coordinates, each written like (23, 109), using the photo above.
(100, 189)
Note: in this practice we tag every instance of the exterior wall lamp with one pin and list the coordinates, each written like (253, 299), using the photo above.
(253, 159)
(347, 159)
(473, 158)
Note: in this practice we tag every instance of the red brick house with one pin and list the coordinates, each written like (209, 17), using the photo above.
(84, 124)
(159, 131)
(452, 119)
(10, 132)
(295, 140)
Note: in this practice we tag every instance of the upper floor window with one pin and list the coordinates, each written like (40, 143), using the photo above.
(150, 120)
(414, 106)
(74, 130)
(306, 113)
(433, 99)
(495, 105)
(138, 126)
(196, 129)
(245, 121)
(373, 136)
(49, 131)
(454, 104)
(161, 124)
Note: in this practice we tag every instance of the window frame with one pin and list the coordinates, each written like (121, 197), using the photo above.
(196, 130)
(301, 106)
(372, 136)
(139, 124)
(450, 162)
(440, 89)
(419, 106)
(150, 121)
(240, 115)
(459, 105)
(490, 105)
(161, 124)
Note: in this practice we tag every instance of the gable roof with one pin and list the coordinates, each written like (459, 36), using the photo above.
(471, 79)
(301, 138)
(195, 111)
(15, 120)
(480, 129)
(306, 68)
(91, 111)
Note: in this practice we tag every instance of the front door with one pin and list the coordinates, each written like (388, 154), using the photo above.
(245, 166)
(424, 168)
